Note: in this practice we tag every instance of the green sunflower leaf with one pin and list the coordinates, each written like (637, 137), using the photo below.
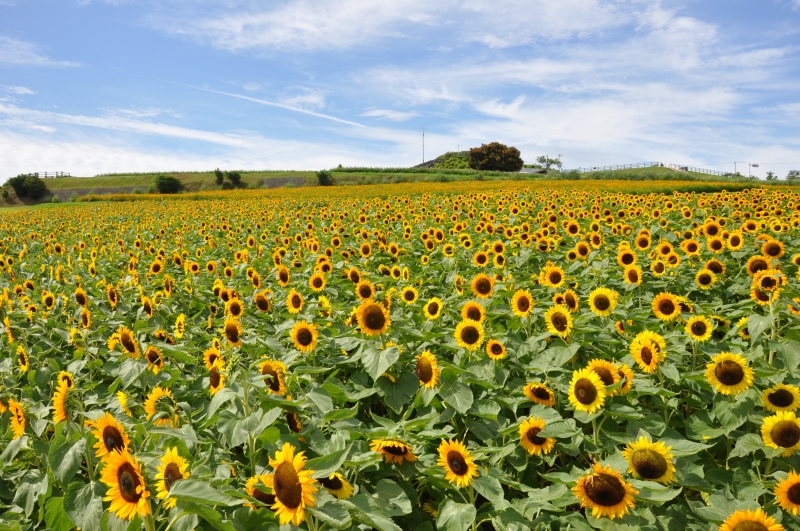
(199, 492)
(455, 516)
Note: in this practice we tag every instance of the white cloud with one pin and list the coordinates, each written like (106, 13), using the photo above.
(120, 123)
(16, 52)
(252, 87)
(395, 116)
(17, 90)
(149, 112)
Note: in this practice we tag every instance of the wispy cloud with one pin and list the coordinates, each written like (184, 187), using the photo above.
(17, 90)
(395, 116)
(16, 52)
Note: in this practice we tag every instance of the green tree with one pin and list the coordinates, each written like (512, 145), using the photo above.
(324, 178)
(234, 176)
(167, 184)
(35, 187)
(792, 175)
(219, 176)
(771, 176)
(495, 157)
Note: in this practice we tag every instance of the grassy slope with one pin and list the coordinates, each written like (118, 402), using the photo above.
(192, 181)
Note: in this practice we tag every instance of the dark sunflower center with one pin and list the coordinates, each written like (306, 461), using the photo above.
(533, 436)
(768, 283)
(214, 377)
(605, 490)
(152, 356)
(171, 474)
(729, 372)
(483, 286)
(296, 301)
(232, 333)
(760, 295)
(457, 463)
(604, 374)
(395, 449)
(474, 314)
(287, 486)
(48, 301)
(716, 245)
(85, 319)
(128, 481)
(112, 439)
(659, 268)
(148, 308)
(68, 380)
(317, 282)
(781, 398)
(602, 303)
(627, 259)
(156, 267)
(262, 303)
(649, 464)
(424, 370)
(263, 497)
(212, 358)
(786, 433)
(559, 321)
(541, 393)
(470, 335)
(750, 526)
(273, 379)
(127, 342)
(715, 267)
(374, 317)
(523, 304)
(794, 494)
(293, 422)
(633, 276)
(692, 247)
(284, 276)
(585, 391)
(333, 483)
(667, 307)
(699, 328)
(482, 258)
(773, 249)
(80, 298)
(497, 349)
(758, 265)
(305, 337)
(433, 308)
(235, 309)
(408, 295)
(555, 277)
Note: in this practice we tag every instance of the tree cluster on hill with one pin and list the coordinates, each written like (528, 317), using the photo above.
(495, 157)
(28, 186)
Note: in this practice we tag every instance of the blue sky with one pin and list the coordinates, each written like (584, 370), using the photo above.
(95, 86)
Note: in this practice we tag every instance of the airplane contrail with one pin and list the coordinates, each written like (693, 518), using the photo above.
(273, 104)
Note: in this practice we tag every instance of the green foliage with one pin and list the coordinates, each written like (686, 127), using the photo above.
(234, 177)
(4, 193)
(166, 184)
(495, 157)
(35, 187)
(19, 186)
(219, 177)
(324, 178)
(792, 175)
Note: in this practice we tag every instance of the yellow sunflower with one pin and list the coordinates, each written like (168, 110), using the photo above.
(393, 451)
(251, 489)
(60, 402)
(602, 301)
(482, 286)
(232, 331)
(17, 418)
(632, 274)
(22, 359)
(122, 473)
(409, 295)
(666, 306)
(110, 435)
(782, 432)
(172, 468)
(781, 397)
(540, 394)
(552, 276)
(605, 493)
(559, 320)
(522, 303)
(699, 328)
(337, 485)
(151, 405)
(433, 308)
(66, 377)
(427, 370)
(705, 279)
(234, 308)
(587, 391)
(529, 437)
(457, 462)
(746, 520)
(626, 375)
(474, 311)
(787, 493)
(304, 336)
(495, 350)
(729, 374)
(293, 486)
(650, 461)
(211, 355)
(373, 318)
(606, 370)
(180, 326)
(294, 302)
(317, 282)
(155, 361)
(469, 334)
(274, 372)
(216, 378)
(129, 343)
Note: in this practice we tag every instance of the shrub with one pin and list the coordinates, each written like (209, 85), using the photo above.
(18, 184)
(324, 178)
(55, 199)
(495, 157)
(234, 176)
(74, 197)
(34, 187)
(793, 175)
(4, 193)
(219, 176)
(167, 184)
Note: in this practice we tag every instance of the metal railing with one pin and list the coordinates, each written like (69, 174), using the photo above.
(669, 165)
(48, 174)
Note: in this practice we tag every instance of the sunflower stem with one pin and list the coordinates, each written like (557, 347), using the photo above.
(172, 522)
(89, 467)
(769, 467)
(150, 525)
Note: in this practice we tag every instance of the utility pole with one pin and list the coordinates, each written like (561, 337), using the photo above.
(423, 144)
(734, 168)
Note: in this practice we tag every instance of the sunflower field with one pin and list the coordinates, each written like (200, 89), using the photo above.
(508, 358)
